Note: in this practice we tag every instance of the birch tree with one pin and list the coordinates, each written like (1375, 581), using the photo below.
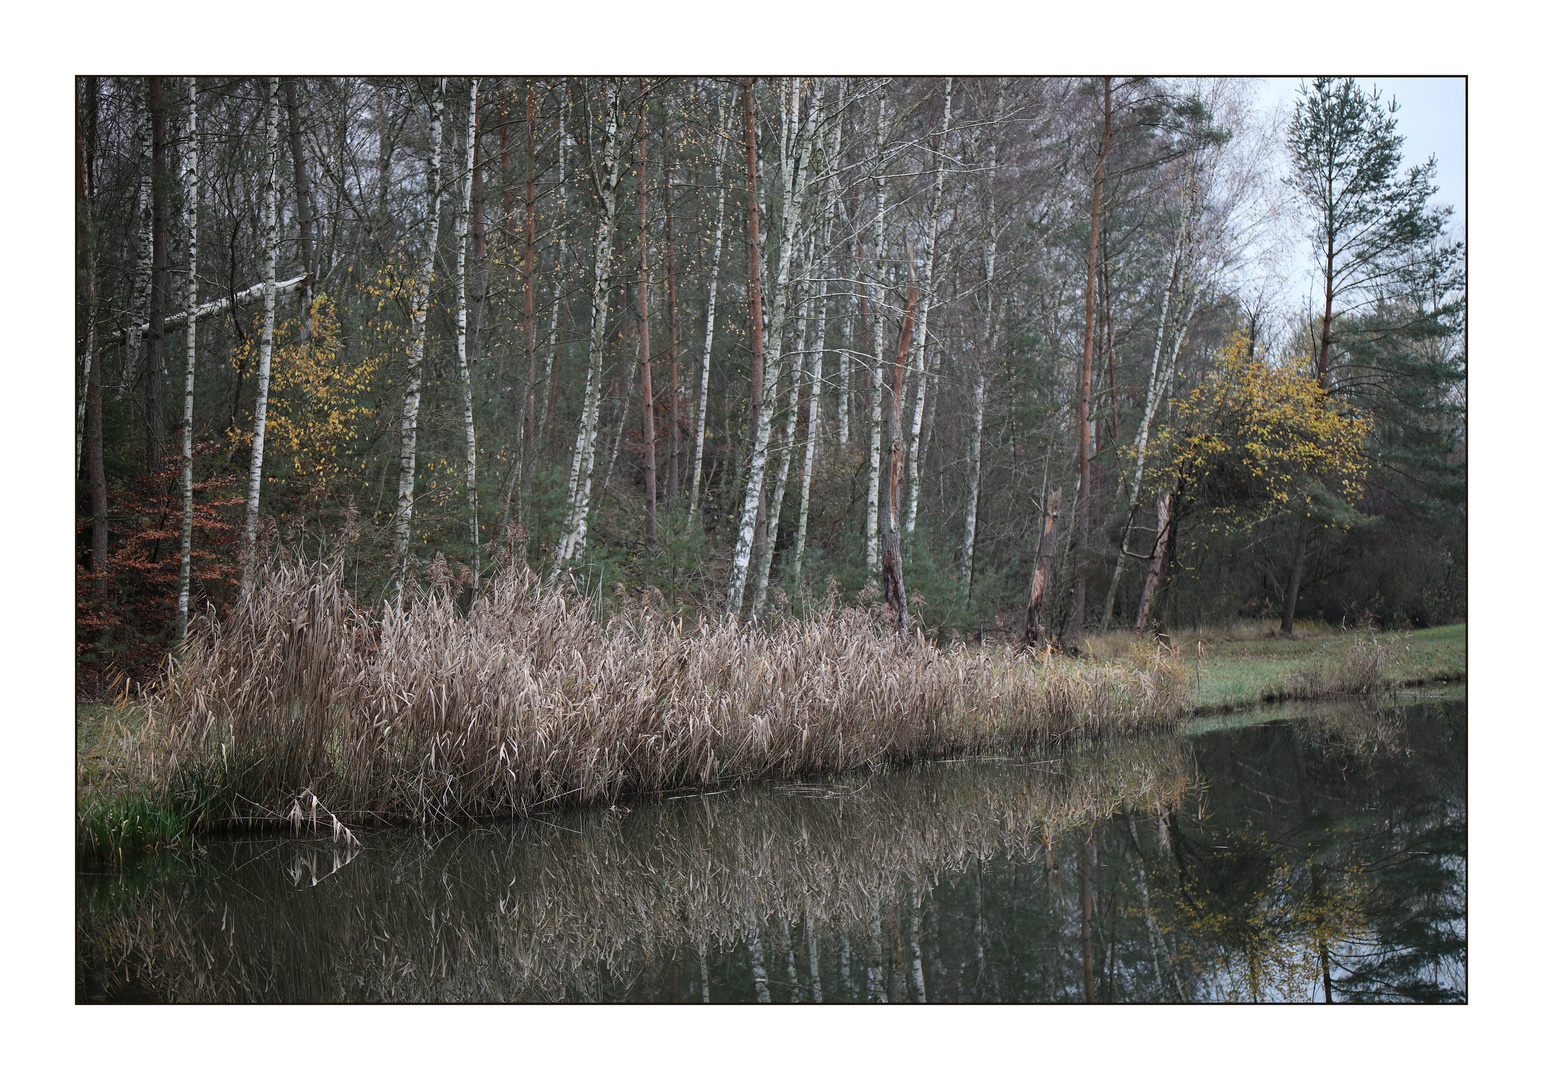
(989, 334)
(190, 220)
(562, 259)
(876, 359)
(601, 145)
(650, 474)
(402, 524)
(794, 181)
(463, 219)
(139, 295)
(920, 355)
(720, 148)
(265, 344)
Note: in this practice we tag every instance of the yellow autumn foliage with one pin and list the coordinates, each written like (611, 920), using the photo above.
(1254, 440)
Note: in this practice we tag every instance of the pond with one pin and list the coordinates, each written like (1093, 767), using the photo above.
(1321, 857)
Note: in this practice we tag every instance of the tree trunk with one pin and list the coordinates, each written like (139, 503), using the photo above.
(650, 477)
(402, 527)
(1160, 551)
(160, 281)
(784, 460)
(461, 229)
(794, 180)
(1085, 389)
(921, 356)
(528, 424)
(816, 384)
(559, 297)
(605, 172)
(894, 576)
(988, 333)
(712, 301)
(1298, 561)
(190, 218)
(265, 345)
(1157, 382)
(876, 358)
(139, 297)
(1033, 631)
(671, 315)
(95, 466)
(303, 209)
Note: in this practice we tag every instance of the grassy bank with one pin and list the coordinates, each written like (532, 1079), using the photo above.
(302, 709)
(1249, 664)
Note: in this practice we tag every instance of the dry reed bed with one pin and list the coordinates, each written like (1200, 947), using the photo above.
(526, 701)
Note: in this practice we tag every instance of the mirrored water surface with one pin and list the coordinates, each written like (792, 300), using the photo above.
(1298, 860)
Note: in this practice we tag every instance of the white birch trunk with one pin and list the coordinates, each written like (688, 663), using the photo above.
(876, 361)
(139, 295)
(844, 394)
(794, 181)
(420, 311)
(606, 177)
(1156, 381)
(210, 308)
(819, 257)
(988, 332)
(785, 458)
(265, 346)
(812, 438)
(190, 218)
(562, 256)
(919, 354)
(712, 304)
(461, 228)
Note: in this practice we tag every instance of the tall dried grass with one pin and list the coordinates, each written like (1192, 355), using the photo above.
(526, 701)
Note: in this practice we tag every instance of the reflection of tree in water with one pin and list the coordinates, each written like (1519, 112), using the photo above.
(1098, 875)
(776, 890)
(1331, 863)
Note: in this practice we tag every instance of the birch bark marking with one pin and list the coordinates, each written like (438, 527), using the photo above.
(402, 526)
(605, 174)
(265, 345)
(785, 454)
(746, 538)
(920, 357)
(190, 219)
(978, 394)
(794, 180)
(463, 220)
(876, 360)
(650, 475)
(712, 302)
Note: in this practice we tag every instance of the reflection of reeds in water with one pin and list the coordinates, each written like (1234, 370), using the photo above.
(526, 701)
(552, 909)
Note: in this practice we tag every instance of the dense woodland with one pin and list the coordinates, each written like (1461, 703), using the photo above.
(1015, 355)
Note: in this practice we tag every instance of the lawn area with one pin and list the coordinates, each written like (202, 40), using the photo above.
(1241, 673)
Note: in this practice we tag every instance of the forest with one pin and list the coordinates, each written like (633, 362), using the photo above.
(1015, 358)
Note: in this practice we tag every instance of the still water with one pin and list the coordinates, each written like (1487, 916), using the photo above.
(1322, 857)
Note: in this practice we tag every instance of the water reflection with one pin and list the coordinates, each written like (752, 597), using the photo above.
(1236, 865)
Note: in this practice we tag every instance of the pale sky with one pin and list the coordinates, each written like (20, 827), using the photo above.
(1432, 117)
